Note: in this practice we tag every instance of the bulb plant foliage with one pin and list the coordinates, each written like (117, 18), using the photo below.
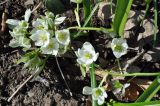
(43, 39)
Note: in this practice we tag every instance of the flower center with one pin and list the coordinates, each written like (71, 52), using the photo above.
(98, 92)
(23, 24)
(118, 48)
(88, 56)
(40, 27)
(43, 37)
(61, 37)
(51, 45)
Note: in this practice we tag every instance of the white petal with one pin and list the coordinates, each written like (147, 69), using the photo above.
(12, 23)
(59, 20)
(125, 45)
(117, 54)
(87, 90)
(27, 14)
(51, 48)
(88, 46)
(105, 94)
(95, 56)
(14, 43)
(126, 85)
(25, 42)
(76, 1)
(101, 100)
(63, 36)
(38, 35)
(36, 23)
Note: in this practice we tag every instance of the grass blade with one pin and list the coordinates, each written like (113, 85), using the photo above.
(87, 20)
(149, 93)
(121, 15)
(151, 103)
(155, 22)
(86, 8)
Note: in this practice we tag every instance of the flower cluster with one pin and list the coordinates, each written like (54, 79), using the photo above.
(44, 33)
(45, 36)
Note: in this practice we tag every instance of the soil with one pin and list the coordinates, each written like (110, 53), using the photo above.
(36, 93)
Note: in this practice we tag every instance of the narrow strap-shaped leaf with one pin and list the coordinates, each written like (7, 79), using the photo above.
(151, 103)
(121, 15)
(87, 8)
(155, 22)
(149, 93)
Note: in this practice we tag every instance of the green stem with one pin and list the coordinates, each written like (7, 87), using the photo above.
(149, 93)
(86, 28)
(93, 82)
(134, 74)
(155, 22)
(77, 16)
(146, 11)
(111, 6)
(119, 65)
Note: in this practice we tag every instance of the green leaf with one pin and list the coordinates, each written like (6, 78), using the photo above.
(83, 70)
(151, 103)
(121, 15)
(149, 93)
(86, 8)
(87, 20)
(117, 84)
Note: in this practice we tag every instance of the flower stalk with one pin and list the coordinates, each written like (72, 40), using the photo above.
(93, 82)
(119, 65)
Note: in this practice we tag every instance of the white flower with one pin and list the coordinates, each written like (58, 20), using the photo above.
(119, 47)
(21, 41)
(99, 94)
(27, 15)
(41, 38)
(77, 1)
(12, 22)
(59, 20)
(63, 36)
(121, 90)
(87, 90)
(86, 55)
(51, 48)
(40, 24)
(18, 32)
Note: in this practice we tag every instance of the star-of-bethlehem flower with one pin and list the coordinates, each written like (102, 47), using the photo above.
(41, 38)
(86, 55)
(63, 36)
(98, 93)
(20, 32)
(119, 47)
(76, 1)
(51, 48)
